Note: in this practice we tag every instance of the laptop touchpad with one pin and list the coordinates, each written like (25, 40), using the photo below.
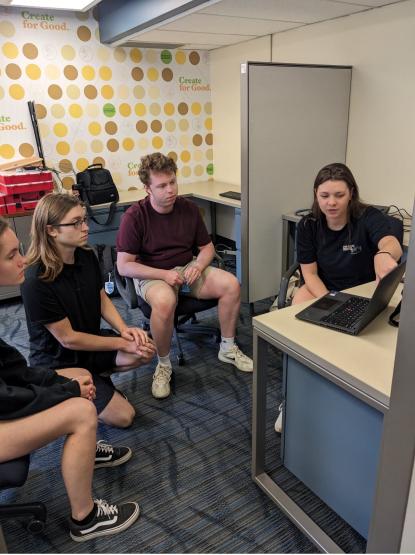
(327, 303)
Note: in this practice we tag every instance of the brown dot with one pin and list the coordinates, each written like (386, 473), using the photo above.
(197, 140)
(41, 111)
(172, 155)
(70, 72)
(99, 160)
(13, 71)
(209, 139)
(90, 92)
(137, 73)
(55, 92)
(83, 33)
(65, 165)
(183, 108)
(113, 145)
(167, 74)
(30, 51)
(194, 58)
(111, 127)
(156, 126)
(26, 150)
(141, 126)
(67, 182)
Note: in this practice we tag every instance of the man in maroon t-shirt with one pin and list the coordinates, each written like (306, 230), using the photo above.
(155, 245)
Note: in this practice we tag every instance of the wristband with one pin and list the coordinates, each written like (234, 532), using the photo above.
(384, 252)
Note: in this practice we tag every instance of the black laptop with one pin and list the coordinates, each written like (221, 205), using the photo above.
(351, 313)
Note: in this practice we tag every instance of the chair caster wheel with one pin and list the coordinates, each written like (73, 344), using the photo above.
(36, 526)
(180, 360)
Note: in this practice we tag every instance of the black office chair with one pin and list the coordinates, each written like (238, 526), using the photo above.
(187, 308)
(293, 274)
(13, 474)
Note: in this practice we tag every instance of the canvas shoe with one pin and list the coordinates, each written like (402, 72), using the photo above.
(109, 519)
(107, 455)
(236, 357)
(160, 387)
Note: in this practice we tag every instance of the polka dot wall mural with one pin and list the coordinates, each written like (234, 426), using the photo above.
(97, 104)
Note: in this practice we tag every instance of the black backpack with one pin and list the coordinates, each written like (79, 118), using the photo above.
(96, 186)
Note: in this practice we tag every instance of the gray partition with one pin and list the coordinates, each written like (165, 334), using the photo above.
(294, 121)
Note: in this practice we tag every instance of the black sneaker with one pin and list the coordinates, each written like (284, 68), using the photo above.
(107, 455)
(109, 519)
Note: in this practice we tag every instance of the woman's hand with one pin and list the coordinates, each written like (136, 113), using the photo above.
(135, 334)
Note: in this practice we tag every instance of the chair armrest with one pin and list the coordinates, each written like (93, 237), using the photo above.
(219, 260)
(126, 289)
(285, 280)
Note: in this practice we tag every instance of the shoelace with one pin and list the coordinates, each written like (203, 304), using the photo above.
(104, 448)
(103, 508)
(162, 373)
(236, 351)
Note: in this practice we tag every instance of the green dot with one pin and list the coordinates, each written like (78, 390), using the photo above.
(209, 169)
(109, 110)
(165, 56)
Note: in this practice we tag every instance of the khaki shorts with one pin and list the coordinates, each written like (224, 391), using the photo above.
(143, 285)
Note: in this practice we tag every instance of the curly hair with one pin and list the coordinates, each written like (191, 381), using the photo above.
(157, 163)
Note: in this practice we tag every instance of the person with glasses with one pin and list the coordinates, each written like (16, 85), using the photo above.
(64, 300)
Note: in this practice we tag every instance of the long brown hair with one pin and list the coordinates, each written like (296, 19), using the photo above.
(4, 225)
(50, 210)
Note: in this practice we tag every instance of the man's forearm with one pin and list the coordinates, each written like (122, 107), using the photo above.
(79, 341)
(205, 257)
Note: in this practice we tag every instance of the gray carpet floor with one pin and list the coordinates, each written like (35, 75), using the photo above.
(191, 466)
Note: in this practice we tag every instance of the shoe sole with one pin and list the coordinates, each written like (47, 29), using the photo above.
(161, 396)
(231, 361)
(109, 531)
(118, 462)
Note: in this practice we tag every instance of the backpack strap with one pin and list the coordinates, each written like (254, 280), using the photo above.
(111, 213)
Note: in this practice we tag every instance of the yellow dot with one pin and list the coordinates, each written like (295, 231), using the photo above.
(186, 171)
(184, 140)
(60, 129)
(92, 110)
(44, 129)
(82, 164)
(73, 92)
(1, 92)
(6, 29)
(97, 146)
(157, 142)
(196, 108)
(104, 53)
(62, 147)
(152, 74)
(33, 71)
(185, 156)
(143, 143)
(198, 170)
(209, 154)
(123, 91)
(155, 109)
(136, 55)
(183, 125)
(139, 92)
(128, 144)
(94, 128)
(75, 110)
(197, 155)
(140, 109)
(170, 125)
(154, 92)
(6, 151)
(107, 92)
(68, 52)
(151, 56)
(105, 73)
(52, 72)
(80, 146)
(119, 54)
(208, 124)
(208, 107)
(88, 73)
(125, 109)
(10, 50)
(169, 108)
(16, 92)
(180, 57)
(58, 111)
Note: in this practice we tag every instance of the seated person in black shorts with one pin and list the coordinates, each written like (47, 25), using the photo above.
(64, 302)
(38, 406)
(343, 242)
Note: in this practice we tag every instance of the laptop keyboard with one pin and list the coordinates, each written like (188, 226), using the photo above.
(348, 313)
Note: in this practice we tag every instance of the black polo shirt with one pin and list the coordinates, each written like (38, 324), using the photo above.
(344, 257)
(75, 294)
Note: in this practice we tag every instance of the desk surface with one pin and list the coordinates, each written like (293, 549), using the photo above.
(205, 190)
(364, 362)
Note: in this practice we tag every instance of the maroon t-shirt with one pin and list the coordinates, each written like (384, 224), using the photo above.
(162, 240)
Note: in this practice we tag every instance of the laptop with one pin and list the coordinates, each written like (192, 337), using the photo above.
(351, 313)
(236, 195)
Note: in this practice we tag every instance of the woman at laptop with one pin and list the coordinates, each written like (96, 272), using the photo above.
(343, 242)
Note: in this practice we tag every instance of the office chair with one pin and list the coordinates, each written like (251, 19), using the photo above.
(187, 308)
(293, 274)
(13, 474)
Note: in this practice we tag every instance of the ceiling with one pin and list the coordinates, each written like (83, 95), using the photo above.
(227, 22)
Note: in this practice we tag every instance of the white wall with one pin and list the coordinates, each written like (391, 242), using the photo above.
(380, 46)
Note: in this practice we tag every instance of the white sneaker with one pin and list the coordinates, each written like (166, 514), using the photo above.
(236, 357)
(160, 387)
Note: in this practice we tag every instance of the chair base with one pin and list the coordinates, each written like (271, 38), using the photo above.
(35, 511)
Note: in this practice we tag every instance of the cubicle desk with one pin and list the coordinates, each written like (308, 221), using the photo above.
(337, 390)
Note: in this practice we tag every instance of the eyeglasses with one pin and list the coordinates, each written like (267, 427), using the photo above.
(77, 224)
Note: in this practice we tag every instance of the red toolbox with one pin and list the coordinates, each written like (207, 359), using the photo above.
(3, 209)
(19, 203)
(23, 182)
(20, 207)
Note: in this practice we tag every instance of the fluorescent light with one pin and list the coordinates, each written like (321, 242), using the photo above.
(73, 5)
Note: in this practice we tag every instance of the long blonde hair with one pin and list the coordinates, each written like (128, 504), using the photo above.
(50, 210)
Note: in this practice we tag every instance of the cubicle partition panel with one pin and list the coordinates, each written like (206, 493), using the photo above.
(294, 121)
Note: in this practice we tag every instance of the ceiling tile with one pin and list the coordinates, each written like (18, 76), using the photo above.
(158, 35)
(369, 3)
